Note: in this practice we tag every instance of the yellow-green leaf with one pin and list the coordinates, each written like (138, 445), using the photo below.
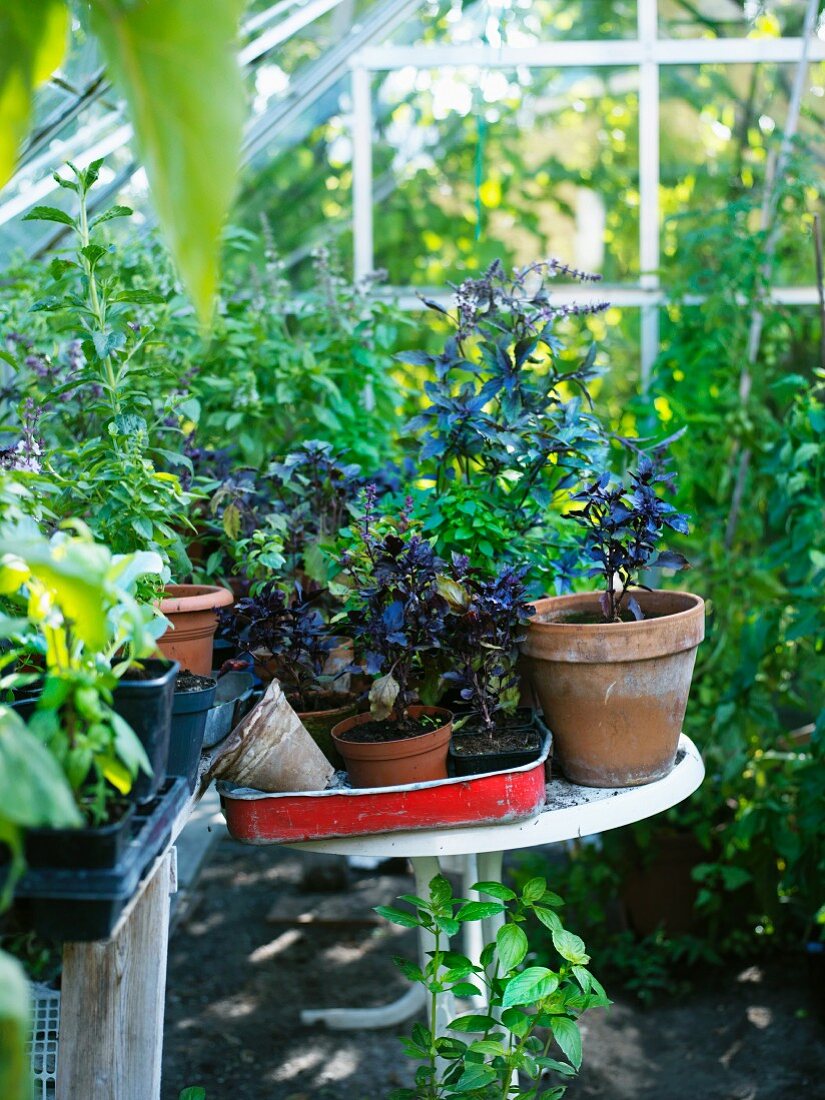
(15, 1024)
(175, 62)
(32, 43)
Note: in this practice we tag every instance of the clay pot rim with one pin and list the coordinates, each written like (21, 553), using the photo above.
(183, 598)
(415, 711)
(611, 643)
(588, 600)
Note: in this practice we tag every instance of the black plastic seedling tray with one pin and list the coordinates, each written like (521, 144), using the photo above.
(84, 904)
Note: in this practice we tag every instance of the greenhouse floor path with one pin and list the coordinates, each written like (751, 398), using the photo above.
(265, 932)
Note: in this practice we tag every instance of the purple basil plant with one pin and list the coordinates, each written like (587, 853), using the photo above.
(623, 525)
(291, 628)
(488, 622)
(399, 615)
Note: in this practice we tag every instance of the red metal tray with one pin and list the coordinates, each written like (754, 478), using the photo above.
(493, 798)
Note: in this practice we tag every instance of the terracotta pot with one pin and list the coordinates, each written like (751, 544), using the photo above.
(192, 611)
(614, 694)
(319, 725)
(391, 763)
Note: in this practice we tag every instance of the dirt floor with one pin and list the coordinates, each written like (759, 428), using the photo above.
(258, 943)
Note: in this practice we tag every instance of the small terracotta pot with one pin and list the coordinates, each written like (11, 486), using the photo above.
(391, 763)
(614, 694)
(319, 725)
(192, 611)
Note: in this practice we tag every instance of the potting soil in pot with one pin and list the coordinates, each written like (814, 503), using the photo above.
(389, 729)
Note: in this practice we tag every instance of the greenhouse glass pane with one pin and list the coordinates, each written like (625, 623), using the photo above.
(719, 126)
(304, 191)
(730, 18)
(473, 164)
(519, 22)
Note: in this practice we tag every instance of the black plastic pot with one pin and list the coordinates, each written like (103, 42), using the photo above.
(91, 848)
(84, 904)
(189, 712)
(478, 763)
(147, 706)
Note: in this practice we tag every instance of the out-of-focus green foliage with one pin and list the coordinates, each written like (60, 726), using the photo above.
(161, 54)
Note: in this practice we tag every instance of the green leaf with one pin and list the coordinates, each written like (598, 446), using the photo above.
(472, 1023)
(33, 789)
(15, 1025)
(532, 984)
(195, 1092)
(475, 1076)
(478, 910)
(495, 890)
(397, 916)
(112, 212)
(570, 947)
(567, 1035)
(33, 37)
(164, 54)
(440, 890)
(582, 977)
(534, 890)
(548, 918)
(49, 214)
(511, 946)
(559, 1067)
(517, 1021)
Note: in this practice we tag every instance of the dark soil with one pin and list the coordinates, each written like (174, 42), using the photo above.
(512, 734)
(321, 700)
(255, 948)
(187, 681)
(391, 729)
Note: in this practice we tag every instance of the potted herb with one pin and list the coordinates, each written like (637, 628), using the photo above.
(506, 421)
(488, 621)
(192, 700)
(75, 604)
(397, 618)
(529, 1027)
(289, 634)
(612, 669)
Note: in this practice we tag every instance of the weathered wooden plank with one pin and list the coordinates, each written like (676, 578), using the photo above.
(111, 1026)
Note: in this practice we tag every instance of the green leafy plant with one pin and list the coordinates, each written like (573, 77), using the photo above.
(75, 626)
(529, 1008)
(161, 54)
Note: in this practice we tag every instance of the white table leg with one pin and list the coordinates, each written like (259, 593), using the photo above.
(489, 870)
(406, 1006)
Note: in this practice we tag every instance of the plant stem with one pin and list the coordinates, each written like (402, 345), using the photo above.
(98, 308)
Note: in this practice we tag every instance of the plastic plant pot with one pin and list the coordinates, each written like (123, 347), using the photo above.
(479, 763)
(189, 712)
(234, 690)
(146, 704)
(87, 849)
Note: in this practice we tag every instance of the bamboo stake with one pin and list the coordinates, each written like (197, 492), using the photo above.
(820, 287)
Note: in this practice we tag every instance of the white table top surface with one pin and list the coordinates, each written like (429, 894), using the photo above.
(570, 811)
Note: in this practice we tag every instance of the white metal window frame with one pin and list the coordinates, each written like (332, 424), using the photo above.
(647, 52)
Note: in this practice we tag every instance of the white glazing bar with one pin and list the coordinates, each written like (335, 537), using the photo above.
(595, 53)
(623, 297)
(362, 171)
(648, 183)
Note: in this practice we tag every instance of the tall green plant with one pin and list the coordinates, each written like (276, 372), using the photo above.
(161, 55)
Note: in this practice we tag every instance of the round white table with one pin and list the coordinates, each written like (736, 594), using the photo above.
(569, 812)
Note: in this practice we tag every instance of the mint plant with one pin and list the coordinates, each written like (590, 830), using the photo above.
(531, 1010)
